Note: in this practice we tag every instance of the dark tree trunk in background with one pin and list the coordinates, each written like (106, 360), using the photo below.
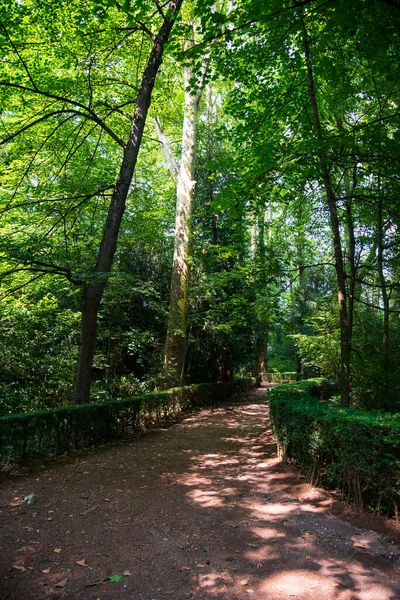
(93, 290)
(385, 296)
(335, 228)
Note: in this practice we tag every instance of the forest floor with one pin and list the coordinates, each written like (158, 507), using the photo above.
(202, 509)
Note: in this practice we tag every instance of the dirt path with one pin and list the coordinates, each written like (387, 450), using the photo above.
(202, 510)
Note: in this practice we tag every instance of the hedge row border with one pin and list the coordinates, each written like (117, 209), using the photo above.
(53, 432)
(281, 377)
(352, 451)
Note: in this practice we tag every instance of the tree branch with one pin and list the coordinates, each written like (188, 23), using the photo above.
(88, 114)
(18, 54)
(166, 149)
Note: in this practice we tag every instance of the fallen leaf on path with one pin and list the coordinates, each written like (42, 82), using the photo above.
(200, 566)
(106, 500)
(186, 568)
(63, 582)
(45, 571)
(358, 542)
(126, 573)
(19, 567)
(57, 550)
(82, 563)
(244, 582)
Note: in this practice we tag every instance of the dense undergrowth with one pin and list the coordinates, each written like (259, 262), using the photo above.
(352, 451)
(52, 432)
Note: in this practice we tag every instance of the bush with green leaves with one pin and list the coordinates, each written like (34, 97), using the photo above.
(353, 451)
(71, 427)
(281, 377)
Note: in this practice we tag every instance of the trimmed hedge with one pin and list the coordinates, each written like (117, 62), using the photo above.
(281, 377)
(349, 450)
(72, 427)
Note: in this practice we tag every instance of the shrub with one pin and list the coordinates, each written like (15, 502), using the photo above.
(350, 450)
(281, 377)
(70, 427)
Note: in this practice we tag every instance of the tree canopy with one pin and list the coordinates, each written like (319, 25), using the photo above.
(292, 243)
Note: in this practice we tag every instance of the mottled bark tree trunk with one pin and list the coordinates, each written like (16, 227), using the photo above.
(94, 289)
(176, 338)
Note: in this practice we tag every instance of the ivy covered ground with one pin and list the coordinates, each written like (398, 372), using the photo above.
(201, 510)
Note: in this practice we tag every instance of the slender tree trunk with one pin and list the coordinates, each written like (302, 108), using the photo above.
(261, 323)
(335, 228)
(176, 338)
(301, 301)
(349, 187)
(263, 355)
(352, 262)
(212, 120)
(385, 296)
(93, 290)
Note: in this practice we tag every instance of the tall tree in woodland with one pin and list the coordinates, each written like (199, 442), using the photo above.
(183, 175)
(335, 227)
(35, 100)
(94, 290)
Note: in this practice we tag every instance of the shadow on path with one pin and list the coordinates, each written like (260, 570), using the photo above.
(202, 510)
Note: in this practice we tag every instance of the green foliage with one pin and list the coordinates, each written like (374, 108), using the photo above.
(321, 348)
(66, 428)
(281, 377)
(280, 365)
(355, 452)
(116, 578)
(262, 268)
(30, 498)
(37, 351)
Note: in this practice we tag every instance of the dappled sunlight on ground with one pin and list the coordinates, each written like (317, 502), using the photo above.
(288, 547)
(203, 510)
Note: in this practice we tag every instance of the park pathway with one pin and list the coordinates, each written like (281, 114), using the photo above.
(200, 510)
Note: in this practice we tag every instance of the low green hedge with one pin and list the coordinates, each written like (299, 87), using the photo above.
(349, 450)
(281, 377)
(71, 427)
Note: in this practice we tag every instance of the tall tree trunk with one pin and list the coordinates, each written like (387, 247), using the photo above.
(176, 338)
(385, 295)
(337, 245)
(261, 321)
(352, 253)
(264, 333)
(301, 286)
(93, 290)
(212, 120)
(350, 185)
